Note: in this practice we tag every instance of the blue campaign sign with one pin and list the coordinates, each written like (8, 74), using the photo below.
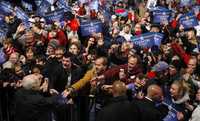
(1, 19)
(106, 12)
(159, 8)
(3, 32)
(43, 8)
(188, 20)
(148, 39)
(21, 14)
(196, 9)
(5, 7)
(63, 4)
(38, 2)
(90, 27)
(57, 15)
(83, 1)
(2, 54)
(161, 16)
(94, 5)
(26, 5)
(186, 2)
(107, 15)
(151, 4)
(51, 1)
(171, 116)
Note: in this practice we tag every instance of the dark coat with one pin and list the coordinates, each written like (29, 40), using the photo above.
(58, 76)
(148, 110)
(32, 106)
(119, 110)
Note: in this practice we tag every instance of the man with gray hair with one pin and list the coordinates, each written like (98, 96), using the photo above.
(31, 105)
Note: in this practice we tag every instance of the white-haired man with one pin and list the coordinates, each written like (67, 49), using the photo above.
(31, 105)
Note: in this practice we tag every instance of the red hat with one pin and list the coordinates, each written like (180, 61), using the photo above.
(151, 74)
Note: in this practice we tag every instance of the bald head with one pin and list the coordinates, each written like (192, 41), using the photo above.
(32, 81)
(154, 92)
(118, 88)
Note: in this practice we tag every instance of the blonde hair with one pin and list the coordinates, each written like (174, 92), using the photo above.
(183, 87)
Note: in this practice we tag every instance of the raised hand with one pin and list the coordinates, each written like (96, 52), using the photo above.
(44, 86)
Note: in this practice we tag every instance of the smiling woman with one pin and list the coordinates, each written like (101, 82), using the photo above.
(178, 90)
(178, 100)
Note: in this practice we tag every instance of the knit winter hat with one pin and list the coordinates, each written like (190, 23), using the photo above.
(53, 43)
(160, 66)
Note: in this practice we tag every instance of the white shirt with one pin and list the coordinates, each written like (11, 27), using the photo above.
(196, 114)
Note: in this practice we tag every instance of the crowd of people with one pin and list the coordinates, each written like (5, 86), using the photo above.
(57, 70)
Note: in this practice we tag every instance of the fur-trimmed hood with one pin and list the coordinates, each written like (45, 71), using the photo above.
(182, 100)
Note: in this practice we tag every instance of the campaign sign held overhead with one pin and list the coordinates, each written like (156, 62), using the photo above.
(83, 1)
(2, 54)
(38, 2)
(51, 1)
(151, 4)
(186, 2)
(3, 33)
(196, 9)
(148, 39)
(43, 8)
(94, 5)
(63, 4)
(188, 20)
(5, 7)
(57, 15)
(1, 19)
(161, 15)
(90, 27)
(26, 5)
(21, 14)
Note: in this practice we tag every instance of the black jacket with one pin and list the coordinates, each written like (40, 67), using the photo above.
(58, 76)
(119, 110)
(148, 110)
(32, 106)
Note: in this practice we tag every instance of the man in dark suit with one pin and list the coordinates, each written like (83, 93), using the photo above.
(62, 73)
(147, 106)
(31, 105)
(120, 109)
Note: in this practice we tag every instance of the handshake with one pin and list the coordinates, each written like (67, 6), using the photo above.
(63, 98)
(67, 93)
